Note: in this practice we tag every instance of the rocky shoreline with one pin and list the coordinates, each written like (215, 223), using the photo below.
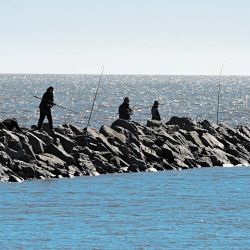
(123, 147)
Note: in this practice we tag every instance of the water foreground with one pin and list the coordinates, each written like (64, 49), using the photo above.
(125, 146)
(206, 208)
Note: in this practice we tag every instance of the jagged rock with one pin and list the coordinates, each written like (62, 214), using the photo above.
(5, 159)
(150, 154)
(67, 143)
(129, 125)
(15, 154)
(102, 139)
(140, 165)
(75, 129)
(210, 127)
(167, 166)
(166, 137)
(60, 153)
(204, 162)
(51, 160)
(28, 170)
(85, 165)
(102, 166)
(193, 136)
(3, 173)
(36, 143)
(184, 123)
(74, 171)
(2, 147)
(43, 136)
(14, 178)
(154, 123)
(210, 141)
(126, 147)
(28, 149)
(109, 132)
(84, 140)
(118, 162)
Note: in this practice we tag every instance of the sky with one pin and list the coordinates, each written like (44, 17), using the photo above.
(167, 37)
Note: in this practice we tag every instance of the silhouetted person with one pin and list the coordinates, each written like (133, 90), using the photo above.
(124, 110)
(155, 112)
(45, 108)
(10, 124)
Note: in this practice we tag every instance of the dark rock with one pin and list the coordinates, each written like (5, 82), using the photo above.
(109, 132)
(5, 159)
(60, 153)
(204, 162)
(184, 123)
(67, 143)
(36, 143)
(129, 125)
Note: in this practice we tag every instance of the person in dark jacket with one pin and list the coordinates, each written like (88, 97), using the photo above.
(45, 108)
(10, 124)
(155, 112)
(124, 110)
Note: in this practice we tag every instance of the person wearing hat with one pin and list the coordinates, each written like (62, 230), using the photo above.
(124, 110)
(155, 112)
(45, 108)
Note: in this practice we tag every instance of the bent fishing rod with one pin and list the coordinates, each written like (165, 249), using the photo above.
(99, 82)
(60, 106)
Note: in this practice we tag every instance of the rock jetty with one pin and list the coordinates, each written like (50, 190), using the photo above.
(123, 147)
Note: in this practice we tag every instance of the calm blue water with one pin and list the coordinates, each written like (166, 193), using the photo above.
(193, 209)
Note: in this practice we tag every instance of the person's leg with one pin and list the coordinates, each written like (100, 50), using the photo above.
(41, 119)
(49, 116)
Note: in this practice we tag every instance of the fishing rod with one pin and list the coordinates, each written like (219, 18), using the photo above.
(60, 106)
(218, 98)
(95, 97)
(144, 107)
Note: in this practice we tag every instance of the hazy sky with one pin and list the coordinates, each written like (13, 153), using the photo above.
(126, 36)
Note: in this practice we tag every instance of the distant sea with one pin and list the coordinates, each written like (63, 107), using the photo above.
(205, 208)
(190, 96)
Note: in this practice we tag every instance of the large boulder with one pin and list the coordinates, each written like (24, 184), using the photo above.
(129, 125)
(109, 132)
(36, 143)
(67, 143)
(183, 122)
(59, 151)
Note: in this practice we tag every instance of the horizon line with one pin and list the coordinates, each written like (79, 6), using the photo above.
(123, 74)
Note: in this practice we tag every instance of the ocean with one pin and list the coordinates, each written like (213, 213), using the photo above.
(190, 96)
(204, 208)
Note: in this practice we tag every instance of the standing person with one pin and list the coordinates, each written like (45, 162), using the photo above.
(155, 112)
(124, 110)
(45, 108)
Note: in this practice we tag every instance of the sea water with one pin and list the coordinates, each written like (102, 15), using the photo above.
(190, 96)
(204, 208)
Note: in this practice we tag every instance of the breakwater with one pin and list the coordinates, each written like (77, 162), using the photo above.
(123, 147)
